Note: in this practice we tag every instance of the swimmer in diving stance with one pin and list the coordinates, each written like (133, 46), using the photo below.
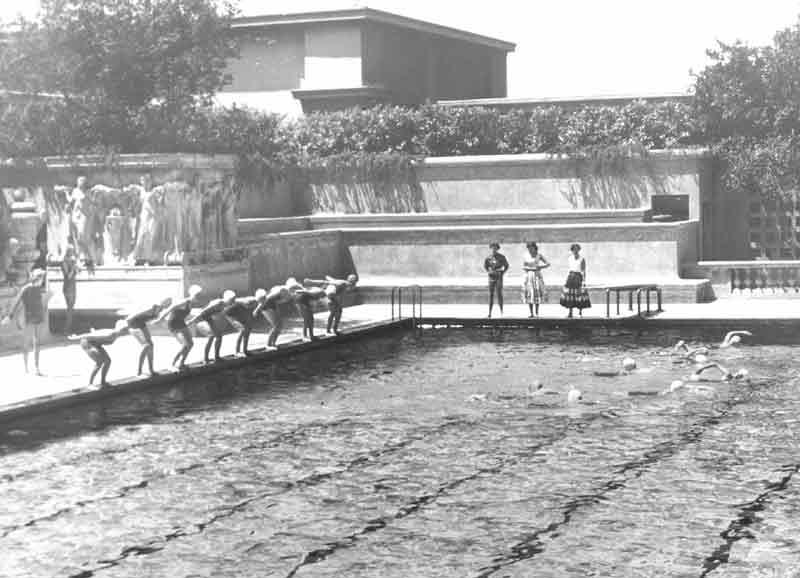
(303, 299)
(335, 290)
(209, 323)
(93, 344)
(268, 303)
(137, 324)
(241, 313)
(176, 315)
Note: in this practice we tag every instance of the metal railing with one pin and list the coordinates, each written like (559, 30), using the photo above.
(414, 292)
(631, 289)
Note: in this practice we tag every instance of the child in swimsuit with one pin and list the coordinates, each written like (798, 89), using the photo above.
(303, 300)
(268, 307)
(176, 315)
(137, 324)
(209, 321)
(241, 313)
(334, 290)
(93, 344)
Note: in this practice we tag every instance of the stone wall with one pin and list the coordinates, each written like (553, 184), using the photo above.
(615, 253)
(297, 254)
(134, 208)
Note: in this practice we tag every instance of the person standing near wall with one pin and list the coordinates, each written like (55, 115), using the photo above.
(496, 266)
(533, 287)
(69, 284)
(575, 294)
(30, 301)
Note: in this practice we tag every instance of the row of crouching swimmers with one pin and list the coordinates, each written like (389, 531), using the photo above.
(213, 320)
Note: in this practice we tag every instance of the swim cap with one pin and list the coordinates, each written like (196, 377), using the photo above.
(628, 364)
(228, 295)
(195, 290)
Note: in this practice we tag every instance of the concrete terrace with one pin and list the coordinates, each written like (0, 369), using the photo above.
(66, 367)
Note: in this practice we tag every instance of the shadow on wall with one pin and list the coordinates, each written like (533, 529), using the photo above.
(615, 185)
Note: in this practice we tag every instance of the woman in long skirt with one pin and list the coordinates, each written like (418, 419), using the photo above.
(534, 291)
(575, 294)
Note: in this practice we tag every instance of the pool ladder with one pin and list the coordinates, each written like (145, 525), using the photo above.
(415, 293)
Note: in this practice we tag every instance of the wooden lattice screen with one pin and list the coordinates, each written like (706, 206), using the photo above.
(775, 228)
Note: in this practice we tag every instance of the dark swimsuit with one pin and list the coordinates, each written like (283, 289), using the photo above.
(140, 320)
(239, 312)
(177, 317)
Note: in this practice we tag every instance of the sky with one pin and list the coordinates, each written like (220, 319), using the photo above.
(571, 48)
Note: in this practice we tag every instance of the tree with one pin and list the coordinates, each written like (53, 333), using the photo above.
(122, 64)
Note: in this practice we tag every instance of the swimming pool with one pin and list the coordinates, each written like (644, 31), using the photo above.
(405, 456)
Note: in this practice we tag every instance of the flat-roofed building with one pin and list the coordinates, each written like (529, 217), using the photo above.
(326, 60)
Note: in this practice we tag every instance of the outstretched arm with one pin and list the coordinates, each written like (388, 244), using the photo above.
(714, 365)
(728, 341)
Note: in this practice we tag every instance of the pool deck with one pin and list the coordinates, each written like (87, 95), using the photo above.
(66, 367)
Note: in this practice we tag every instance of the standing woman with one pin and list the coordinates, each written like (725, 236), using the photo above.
(574, 294)
(176, 315)
(137, 324)
(69, 274)
(533, 287)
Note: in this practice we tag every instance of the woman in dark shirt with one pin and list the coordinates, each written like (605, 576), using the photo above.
(241, 313)
(496, 266)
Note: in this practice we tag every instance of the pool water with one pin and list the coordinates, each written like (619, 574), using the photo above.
(424, 456)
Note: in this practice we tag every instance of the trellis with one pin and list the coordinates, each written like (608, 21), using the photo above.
(774, 229)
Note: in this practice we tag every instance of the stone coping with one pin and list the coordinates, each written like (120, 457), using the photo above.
(168, 160)
(531, 158)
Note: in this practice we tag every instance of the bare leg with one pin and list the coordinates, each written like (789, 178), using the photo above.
(246, 340)
(106, 365)
(143, 336)
(499, 289)
(36, 349)
(530, 306)
(537, 310)
(68, 321)
(217, 347)
(207, 350)
(337, 319)
(25, 346)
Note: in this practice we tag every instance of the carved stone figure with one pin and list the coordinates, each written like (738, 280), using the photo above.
(81, 230)
(117, 231)
(150, 222)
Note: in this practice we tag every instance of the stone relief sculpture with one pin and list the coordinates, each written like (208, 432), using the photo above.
(143, 223)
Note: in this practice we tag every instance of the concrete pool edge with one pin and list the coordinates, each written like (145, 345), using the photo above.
(91, 394)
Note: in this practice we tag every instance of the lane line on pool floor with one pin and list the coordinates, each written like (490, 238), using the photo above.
(157, 544)
(738, 527)
(532, 544)
(413, 506)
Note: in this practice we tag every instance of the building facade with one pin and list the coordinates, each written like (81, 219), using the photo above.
(299, 63)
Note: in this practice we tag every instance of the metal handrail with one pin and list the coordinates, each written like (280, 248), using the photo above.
(416, 304)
